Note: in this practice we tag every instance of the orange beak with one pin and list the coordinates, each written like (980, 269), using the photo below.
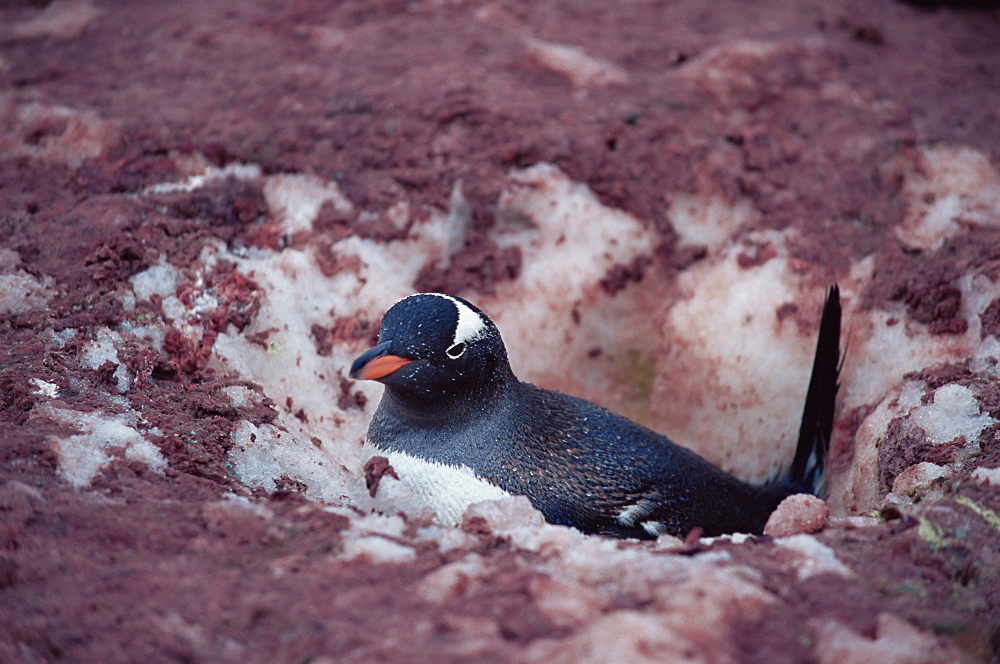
(375, 364)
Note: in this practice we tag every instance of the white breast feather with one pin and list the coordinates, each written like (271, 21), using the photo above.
(449, 490)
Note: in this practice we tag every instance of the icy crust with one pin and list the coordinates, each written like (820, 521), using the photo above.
(581, 69)
(622, 601)
(727, 355)
(83, 134)
(916, 439)
(566, 323)
(101, 438)
(737, 338)
(949, 187)
(20, 291)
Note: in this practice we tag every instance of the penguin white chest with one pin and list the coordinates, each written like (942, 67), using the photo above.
(449, 490)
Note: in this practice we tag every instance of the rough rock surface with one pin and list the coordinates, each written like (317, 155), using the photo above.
(205, 207)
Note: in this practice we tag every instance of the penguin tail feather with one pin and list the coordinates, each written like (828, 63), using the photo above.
(807, 472)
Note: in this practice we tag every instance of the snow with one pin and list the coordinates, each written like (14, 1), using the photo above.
(60, 338)
(554, 315)
(20, 291)
(727, 355)
(82, 135)
(702, 219)
(449, 581)
(717, 346)
(45, 388)
(161, 279)
(814, 557)
(104, 349)
(102, 436)
(296, 199)
(954, 412)
(988, 476)
(240, 396)
(896, 642)
(378, 550)
(62, 19)
(263, 454)
(581, 69)
(692, 609)
(730, 68)
(948, 188)
(297, 295)
(205, 175)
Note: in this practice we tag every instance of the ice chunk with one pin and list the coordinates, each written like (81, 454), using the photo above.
(82, 455)
(990, 476)
(947, 188)
(581, 69)
(954, 412)
(161, 280)
(22, 292)
(296, 199)
(896, 642)
(918, 478)
(45, 388)
(104, 349)
(263, 454)
(816, 557)
(240, 396)
(861, 489)
(60, 338)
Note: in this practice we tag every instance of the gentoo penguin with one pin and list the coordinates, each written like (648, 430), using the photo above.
(459, 427)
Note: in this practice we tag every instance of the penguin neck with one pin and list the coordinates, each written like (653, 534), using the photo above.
(446, 410)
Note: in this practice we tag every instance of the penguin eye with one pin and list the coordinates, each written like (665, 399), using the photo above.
(456, 350)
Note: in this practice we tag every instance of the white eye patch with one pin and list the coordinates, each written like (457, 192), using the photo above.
(470, 324)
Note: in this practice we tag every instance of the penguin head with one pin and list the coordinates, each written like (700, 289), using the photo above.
(432, 347)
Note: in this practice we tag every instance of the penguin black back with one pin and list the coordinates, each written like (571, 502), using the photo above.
(459, 427)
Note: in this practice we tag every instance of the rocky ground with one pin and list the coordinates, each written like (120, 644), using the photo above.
(206, 206)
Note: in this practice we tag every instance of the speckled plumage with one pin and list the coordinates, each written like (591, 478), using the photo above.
(579, 464)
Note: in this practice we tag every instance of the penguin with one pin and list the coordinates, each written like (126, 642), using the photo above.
(458, 427)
